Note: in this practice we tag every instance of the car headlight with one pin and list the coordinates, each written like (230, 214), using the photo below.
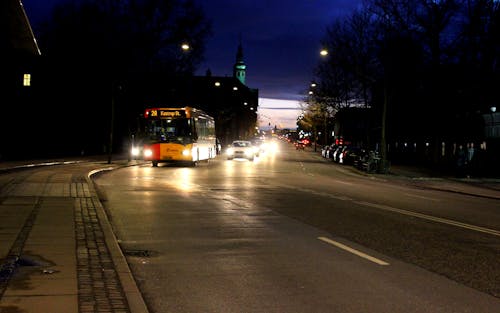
(249, 152)
(230, 151)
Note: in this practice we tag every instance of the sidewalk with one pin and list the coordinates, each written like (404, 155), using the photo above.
(58, 252)
(424, 178)
(428, 179)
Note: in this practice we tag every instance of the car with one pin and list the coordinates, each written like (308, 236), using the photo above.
(324, 150)
(350, 154)
(328, 150)
(336, 153)
(241, 149)
(260, 144)
(299, 144)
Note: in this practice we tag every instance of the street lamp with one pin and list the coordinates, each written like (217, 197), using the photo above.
(493, 109)
(323, 52)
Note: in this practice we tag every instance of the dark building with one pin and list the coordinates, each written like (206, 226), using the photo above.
(353, 125)
(227, 98)
(38, 117)
(20, 55)
(233, 104)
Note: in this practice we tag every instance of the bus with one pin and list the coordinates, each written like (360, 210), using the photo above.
(182, 134)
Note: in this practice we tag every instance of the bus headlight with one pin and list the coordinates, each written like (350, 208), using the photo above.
(186, 152)
(148, 153)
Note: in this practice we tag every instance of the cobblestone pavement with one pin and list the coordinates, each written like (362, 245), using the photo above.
(57, 249)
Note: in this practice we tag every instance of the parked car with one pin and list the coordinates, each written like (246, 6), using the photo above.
(328, 150)
(367, 160)
(241, 149)
(361, 157)
(349, 154)
(336, 153)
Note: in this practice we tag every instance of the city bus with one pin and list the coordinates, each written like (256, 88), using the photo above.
(182, 134)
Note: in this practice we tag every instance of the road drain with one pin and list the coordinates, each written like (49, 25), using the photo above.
(139, 253)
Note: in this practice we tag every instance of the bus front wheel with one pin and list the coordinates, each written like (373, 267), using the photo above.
(155, 163)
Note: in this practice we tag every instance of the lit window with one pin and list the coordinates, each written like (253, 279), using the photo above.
(27, 80)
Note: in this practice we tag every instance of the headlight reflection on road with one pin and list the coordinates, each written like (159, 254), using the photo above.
(184, 182)
(244, 167)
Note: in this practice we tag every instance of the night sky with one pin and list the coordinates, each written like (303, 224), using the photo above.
(280, 39)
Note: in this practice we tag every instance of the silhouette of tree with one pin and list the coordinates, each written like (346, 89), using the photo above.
(96, 50)
(431, 66)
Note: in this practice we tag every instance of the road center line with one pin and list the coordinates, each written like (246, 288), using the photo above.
(420, 197)
(432, 218)
(353, 251)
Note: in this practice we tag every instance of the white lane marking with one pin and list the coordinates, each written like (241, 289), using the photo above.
(405, 212)
(421, 197)
(432, 218)
(353, 251)
(343, 182)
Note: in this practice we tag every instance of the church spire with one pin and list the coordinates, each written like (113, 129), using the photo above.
(239, 69)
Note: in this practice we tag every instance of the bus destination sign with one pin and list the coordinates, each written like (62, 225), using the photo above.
(161, 113)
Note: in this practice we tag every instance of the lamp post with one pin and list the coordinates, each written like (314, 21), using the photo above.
(493, 109)
(384, 164)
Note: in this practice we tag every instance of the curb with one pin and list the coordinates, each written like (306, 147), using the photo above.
(134, 297)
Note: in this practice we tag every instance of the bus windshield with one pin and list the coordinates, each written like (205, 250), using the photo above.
(171, 130)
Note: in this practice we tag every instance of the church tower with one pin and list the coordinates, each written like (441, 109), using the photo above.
(239, 69)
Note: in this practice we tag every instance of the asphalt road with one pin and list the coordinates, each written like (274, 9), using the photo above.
(295, 233)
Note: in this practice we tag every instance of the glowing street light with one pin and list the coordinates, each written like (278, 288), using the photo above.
(323, 52)
(185, 47)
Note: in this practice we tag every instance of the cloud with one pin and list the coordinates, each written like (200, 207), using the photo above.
(281, 113)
